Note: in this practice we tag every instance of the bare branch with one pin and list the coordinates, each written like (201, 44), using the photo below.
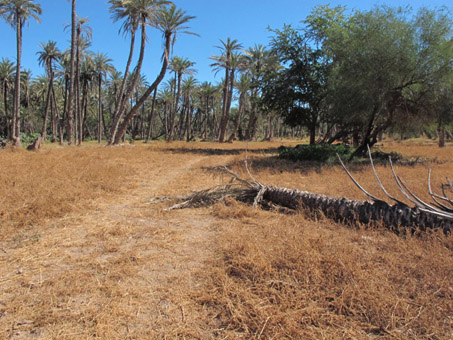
(434, 196)
(380, 184)
(373, 198)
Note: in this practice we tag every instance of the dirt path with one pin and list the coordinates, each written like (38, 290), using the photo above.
(124, 270)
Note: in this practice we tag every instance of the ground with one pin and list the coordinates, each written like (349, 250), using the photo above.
(86, 253)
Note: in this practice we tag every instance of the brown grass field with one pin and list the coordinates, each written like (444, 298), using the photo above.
(85, 254)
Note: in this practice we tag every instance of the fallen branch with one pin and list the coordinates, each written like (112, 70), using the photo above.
(342, 210)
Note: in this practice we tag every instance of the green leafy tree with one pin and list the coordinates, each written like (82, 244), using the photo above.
(384, 64)
(298, 91)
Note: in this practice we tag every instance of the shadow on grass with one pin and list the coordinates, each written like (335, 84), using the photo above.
(276, 165)
(221, 152)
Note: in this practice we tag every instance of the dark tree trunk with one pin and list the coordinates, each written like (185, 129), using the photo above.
(312, 131)
(441, 131)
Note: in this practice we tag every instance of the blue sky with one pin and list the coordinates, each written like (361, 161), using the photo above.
(244, 20)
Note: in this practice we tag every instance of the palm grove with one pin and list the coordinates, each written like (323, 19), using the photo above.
(341, 76)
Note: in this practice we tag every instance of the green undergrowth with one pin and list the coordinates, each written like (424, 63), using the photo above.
(327, 154)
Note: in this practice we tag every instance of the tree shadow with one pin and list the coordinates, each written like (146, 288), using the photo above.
(220, 151)
(272, 164)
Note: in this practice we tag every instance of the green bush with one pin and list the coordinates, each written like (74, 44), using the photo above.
(26, 139)
(325, 153)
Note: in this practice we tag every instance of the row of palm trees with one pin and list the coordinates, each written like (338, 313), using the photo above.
(81, 95)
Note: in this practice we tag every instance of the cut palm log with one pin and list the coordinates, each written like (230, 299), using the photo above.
(343, 210)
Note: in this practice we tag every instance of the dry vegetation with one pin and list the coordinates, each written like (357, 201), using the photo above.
(84, 255)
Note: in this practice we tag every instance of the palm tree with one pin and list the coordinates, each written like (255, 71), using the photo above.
(189, 87)
(87, 75)
(151, 115)
(17, 13)
(70, 117)
(207, 93)
(224, 61)
(46, 57)
(6, 80)
(243, 86)
(257, 59)
(83, 37)
(137, 13)
(180, 67)
(102, 67)
(170, 21)
(25, 81)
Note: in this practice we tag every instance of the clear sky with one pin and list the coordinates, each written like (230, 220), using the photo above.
(244, 20)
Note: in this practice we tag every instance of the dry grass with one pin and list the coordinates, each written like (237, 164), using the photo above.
(84, 255)
(286, 277)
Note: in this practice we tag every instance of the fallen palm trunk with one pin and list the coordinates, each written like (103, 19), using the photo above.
(341, 210)
(357, 211)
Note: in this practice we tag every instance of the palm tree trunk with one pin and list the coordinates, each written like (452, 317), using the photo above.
(189, 123)
(100, 109)
(131, 88)
(16, 114)
(355, 211)
(5, 104)
(58, 120)
(238, 119)
(150, 119)
(144, 97)
(70, 116)
(174, 111)
(224, 119)
(251, 127)
(47, 107)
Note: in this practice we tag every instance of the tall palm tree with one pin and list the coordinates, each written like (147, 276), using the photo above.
(257, 59)
(70, 116)
(87, 74)
(169, 20)
(243, 86)
(180, 67)
(47, 57)
(102, 66)
(137, 13)
(6, 80)
(207, 93)
(224, 61)
(17, 13)
(189, 88)
(83, 37)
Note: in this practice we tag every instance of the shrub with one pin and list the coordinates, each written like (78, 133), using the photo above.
(317, 152)
(26, 139)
